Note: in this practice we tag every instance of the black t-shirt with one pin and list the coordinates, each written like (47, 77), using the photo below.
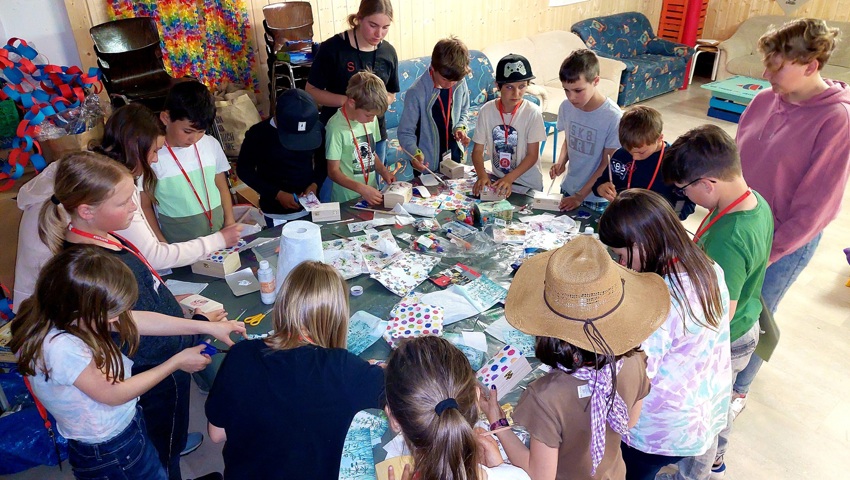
(437, 112)
(337, 61)
(286, 412)
(267, 167)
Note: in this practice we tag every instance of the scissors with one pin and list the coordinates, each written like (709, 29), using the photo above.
(210, 349)
(255, 320)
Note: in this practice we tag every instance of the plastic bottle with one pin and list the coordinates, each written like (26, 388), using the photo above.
(267, 284)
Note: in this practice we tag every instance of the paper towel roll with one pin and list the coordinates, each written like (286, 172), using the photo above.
(299, 241)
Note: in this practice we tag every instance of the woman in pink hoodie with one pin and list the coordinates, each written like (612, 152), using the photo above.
(794, 141)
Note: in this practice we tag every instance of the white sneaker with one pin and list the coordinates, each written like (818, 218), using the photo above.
(739, 403)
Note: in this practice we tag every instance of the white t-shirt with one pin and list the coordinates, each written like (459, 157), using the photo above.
(78, 416)
(588, 134)
(526, 128)
(175, 198)
(505, 472)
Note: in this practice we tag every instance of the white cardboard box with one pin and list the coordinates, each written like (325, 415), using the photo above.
(396, 193)
(326, 212)
(190, 303)
(451, 169)
(219, 263)
(488, 194)
(551, 202)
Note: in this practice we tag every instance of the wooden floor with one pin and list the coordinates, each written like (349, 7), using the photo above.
(797, 422)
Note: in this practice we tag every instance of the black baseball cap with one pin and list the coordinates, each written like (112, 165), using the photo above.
(513, 68)
(297, 119)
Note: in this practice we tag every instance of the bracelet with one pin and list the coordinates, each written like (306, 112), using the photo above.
(502, 422)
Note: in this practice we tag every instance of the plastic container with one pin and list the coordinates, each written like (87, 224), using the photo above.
(267, 284)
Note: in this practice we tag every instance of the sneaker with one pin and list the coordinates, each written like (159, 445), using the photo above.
(718, 470)
(193, 441)
(739, 403)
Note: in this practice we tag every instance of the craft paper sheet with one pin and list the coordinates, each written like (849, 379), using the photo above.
(455, 201)
(407, 270)
(408, 320)
(358, 461)
(364, 329)
(471, 345)
(522, 341)
(482, 293)
(505, 370)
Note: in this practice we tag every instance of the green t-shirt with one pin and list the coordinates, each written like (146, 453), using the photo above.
(740, 242)
(339, 146)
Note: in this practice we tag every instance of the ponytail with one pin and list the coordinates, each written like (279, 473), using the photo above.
(453, 453)
(52, 222)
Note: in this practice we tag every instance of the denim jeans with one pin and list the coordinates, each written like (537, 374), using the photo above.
(699, 467)
(643, 466)
(166, 412)
(129, 455)
(777, 279)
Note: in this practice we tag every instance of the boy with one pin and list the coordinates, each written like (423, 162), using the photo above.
(436, 104)
(192, 196)
(737, 234)
(637, 163)
(351, 135)
(511, 128)
(276, 158)
(590, 121)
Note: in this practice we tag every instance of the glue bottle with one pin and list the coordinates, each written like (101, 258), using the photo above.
(267, 284)
(588, 230)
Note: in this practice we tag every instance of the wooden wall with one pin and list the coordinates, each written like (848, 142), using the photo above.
(724, 16)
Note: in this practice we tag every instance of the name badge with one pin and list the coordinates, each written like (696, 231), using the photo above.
(584, 391)
(505, 160)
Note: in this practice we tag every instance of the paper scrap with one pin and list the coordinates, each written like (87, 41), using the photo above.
(179, 287)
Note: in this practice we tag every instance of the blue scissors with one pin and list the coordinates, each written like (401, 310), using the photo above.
(210, 349)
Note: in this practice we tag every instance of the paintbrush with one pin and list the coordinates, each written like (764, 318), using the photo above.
(426, 167)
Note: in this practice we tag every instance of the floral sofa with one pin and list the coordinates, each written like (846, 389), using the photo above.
(653, 65)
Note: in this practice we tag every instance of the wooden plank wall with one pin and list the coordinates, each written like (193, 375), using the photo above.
(724, 16)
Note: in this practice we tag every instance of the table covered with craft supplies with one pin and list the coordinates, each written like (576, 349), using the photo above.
(445, 273)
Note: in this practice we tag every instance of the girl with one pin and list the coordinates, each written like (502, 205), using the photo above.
(432, 399)
(360, 48)
(93, 197)
(66, 351)
(132, 136)
(299, 389)
(689, 356)
(589, 316)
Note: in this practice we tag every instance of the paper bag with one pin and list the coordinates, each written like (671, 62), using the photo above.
(234, 117)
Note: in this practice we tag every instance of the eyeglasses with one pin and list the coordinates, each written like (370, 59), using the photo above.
(681, 191)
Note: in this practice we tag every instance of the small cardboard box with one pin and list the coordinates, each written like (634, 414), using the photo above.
(551, 202)
(451, 169)
(206, 305)
(486, 213)
(326, 212)
(219, 263)
(488, 194)
(397, 192)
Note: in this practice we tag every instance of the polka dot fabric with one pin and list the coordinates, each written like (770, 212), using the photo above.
(413, 320)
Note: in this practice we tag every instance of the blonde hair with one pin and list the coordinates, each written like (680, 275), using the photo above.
(369, 8)
(800, 41)
(78, 291)
(421, 373)
(82, 178)
(311, 308)
(368, 92)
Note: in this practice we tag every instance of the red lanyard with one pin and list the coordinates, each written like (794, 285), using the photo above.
(701, 231)
(357, 145)
(513, 115)
(447, 112)
(129, 247)
(657, 166)
(207, 213)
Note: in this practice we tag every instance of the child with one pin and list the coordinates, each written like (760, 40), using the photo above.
(62, 341)
(93, 197)
(510, 129)
(352, 161)
(192, 194)
(437, 103)
(301, 386)
(688, 357)
(589, 120)
(432, 399)
(737, 234)
(637, 163)
(276, 158)
(589, 316)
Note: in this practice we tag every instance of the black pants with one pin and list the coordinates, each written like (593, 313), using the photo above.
(166, 411)
(644, 466)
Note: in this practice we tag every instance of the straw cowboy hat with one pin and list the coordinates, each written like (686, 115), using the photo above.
(577, 293)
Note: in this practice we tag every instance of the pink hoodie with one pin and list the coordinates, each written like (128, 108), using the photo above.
(798, 158)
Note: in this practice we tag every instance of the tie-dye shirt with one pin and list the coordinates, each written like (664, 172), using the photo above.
(690, 369)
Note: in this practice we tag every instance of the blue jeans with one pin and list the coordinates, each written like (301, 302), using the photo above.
(166, 412)
(130, 455)
(777, 279)
(641, 465)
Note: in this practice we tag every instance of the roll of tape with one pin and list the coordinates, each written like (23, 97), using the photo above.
(357, 290)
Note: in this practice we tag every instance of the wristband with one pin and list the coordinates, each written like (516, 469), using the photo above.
(502, 422)
(419, 152)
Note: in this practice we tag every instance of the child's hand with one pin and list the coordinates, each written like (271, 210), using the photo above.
(488, 447)
(371, 195)
(313, 188)
(570, 203)
(556, 170)
(489, 404)
(607, 191)
(483, 181)
(388, 177)
(418, 162)
(191, 360)
(460, 136)
(405, 475)
(223, 328)
(502, 186)
(287, 200)
(214, 316)
(232, 234)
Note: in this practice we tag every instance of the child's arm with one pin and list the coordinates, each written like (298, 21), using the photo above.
(383, 171)
(150, 215)
(217, 434)
(572, 202)
(226, 200)
(157, 324)
(561, 165)
(324, 97)
(478, 164)
(368, 192)
(503, 185)
(406, 132)
(463, 122)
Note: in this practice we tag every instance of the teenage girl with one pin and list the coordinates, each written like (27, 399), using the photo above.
(432, 399)
(297, 390)
(63, 339)
(93, 197)
(689, 356)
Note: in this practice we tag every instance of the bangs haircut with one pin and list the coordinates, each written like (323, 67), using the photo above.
(191, 100)
(640, 126)
(368, 92)
(799, 41)
(450, 59)
(705, 151)
(580, 63)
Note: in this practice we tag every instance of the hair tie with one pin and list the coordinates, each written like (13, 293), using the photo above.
(55, 200)
(445, 405)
